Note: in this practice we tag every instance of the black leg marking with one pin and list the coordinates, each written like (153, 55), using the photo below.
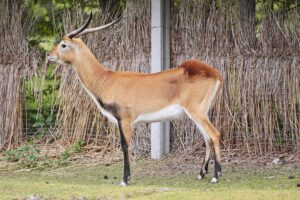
(218, 169)
(124, 145)
(114, 109)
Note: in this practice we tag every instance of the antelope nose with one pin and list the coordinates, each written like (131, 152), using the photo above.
(49, 57)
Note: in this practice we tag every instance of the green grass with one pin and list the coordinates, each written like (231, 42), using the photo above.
(163, 179)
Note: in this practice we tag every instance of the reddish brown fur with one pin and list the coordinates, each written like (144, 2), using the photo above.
(196, 68)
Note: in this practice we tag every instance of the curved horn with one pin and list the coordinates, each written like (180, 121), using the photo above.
(78, 31)
(90, 30)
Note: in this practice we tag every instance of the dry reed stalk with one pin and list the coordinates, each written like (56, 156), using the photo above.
(11, 105)
(14, 59)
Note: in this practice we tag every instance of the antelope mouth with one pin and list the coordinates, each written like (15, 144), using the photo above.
(52, 58)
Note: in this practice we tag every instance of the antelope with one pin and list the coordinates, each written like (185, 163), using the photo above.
(126, 98)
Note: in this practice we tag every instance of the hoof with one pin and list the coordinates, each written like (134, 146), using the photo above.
(214, 180)
(123, 184)
(200, 177)
(202, 174)
(219, 174)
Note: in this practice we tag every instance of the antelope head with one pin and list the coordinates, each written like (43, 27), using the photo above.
(70, 47)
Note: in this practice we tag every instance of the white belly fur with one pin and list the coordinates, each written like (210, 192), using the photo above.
(167, 113)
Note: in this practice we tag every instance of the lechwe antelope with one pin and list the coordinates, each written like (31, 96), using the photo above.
(126, 98)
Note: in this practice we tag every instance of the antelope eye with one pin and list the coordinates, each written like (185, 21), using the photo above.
(63, 46)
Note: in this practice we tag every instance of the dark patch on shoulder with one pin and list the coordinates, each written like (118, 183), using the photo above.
(112, 108)
(173, 81)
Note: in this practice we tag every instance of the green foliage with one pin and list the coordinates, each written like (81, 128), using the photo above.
(41, 101)
(48, 19)
(27, 155)
(43, 42)
(75, 148)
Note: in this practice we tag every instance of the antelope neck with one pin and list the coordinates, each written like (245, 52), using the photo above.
(91, 73)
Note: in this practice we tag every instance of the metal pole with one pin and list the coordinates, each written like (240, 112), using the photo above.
(160, 60)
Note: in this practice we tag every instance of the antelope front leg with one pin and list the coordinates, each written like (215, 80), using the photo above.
(125, 134)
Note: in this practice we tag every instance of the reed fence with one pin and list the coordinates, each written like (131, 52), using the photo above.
(258, 111)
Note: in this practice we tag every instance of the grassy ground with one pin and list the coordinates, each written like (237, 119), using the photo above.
(165, 179)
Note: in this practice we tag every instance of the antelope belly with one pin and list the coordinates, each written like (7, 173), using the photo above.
(167, 113)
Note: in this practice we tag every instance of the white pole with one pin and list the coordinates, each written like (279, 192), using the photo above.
(160, 60)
